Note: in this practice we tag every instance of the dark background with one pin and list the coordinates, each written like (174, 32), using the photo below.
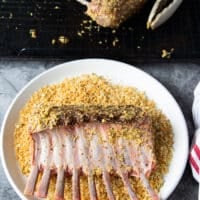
(51, 19)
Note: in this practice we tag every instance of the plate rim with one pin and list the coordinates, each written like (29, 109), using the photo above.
(61, 65)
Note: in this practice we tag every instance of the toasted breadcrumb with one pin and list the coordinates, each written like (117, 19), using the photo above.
(167, 54)
(93, 89)
(33, 33)
(63, 39)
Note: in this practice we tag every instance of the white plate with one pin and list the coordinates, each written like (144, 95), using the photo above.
(117, 72)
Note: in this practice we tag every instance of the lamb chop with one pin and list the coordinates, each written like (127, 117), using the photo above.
(111, 13)
(91, 140)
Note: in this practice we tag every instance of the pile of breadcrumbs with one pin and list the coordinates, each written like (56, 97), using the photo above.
(93, 89)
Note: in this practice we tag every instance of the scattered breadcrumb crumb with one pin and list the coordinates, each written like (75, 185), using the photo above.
(53, 41)
(33, 33)
(115, 41)
(10, 15)
(113, 31)
(167, 54)
(63, 39)
(56, 8)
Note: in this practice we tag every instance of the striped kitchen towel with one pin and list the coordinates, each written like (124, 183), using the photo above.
(195, 155)
(195, 148)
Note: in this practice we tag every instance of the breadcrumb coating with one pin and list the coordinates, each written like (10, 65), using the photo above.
(96, 90)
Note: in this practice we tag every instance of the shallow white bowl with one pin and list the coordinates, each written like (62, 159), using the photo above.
(119, 73)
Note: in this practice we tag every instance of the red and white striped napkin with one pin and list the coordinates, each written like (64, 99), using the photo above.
(195, 148)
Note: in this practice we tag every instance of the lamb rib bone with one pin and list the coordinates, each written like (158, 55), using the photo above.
(81, 143)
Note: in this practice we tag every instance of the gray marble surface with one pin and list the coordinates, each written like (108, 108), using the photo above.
(179, 78)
